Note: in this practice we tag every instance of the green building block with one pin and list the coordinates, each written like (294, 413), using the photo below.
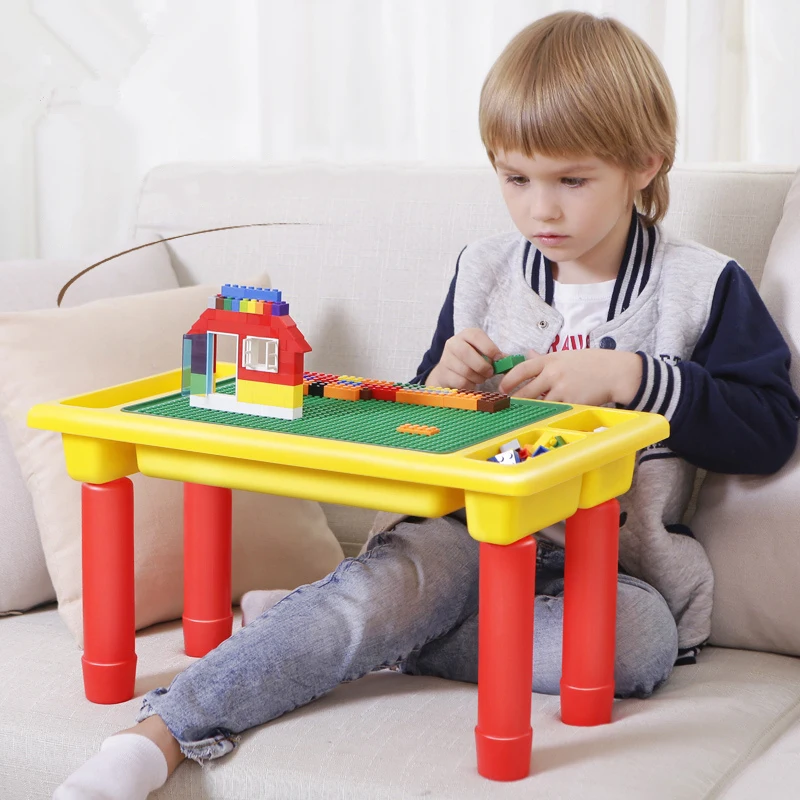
(507, 363)
(197, 383)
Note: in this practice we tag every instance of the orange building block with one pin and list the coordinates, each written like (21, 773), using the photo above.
(338, 392)
(412, 397)
(468, 401)
(422, 430)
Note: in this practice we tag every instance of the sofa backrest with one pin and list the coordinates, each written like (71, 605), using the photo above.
(368, 262)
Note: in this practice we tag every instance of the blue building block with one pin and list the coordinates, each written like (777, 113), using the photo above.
(197, 350)
(280, 309)
(267, 295)
(233, 290)
(237, 292)
(256, 293)
(539, 451)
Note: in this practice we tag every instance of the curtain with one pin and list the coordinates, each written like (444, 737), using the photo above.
(400, 81)
(95, 93)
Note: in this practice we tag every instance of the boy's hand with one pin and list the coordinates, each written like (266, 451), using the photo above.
(463, 365)
(590, 377)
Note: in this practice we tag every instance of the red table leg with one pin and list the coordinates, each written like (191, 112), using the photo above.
(109, 655)
(590, 614)
(507, 585)
(207, 616)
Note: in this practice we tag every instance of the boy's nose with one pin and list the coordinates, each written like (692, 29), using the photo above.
(543, 207)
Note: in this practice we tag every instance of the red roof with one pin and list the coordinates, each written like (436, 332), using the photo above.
(214, 320)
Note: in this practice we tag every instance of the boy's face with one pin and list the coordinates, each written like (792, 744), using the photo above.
(576, 211)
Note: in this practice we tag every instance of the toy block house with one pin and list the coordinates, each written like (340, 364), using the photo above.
(270, 350)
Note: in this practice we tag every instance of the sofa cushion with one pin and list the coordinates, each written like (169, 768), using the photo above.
(391, 735)
(34, 284)
(278, 542)
(748, 524)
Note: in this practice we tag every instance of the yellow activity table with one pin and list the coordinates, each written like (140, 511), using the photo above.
(105, 441)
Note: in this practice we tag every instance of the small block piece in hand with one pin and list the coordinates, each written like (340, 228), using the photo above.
(503, 365)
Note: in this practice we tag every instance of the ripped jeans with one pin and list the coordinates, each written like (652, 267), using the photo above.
(410, 601)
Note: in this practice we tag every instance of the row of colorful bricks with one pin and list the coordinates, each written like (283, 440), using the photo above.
(247, 306)
(239, 292)
(351, 380)
(489, 402)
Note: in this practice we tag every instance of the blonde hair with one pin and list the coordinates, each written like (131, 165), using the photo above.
(572, 84)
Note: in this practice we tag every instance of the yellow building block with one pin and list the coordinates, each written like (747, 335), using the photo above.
(269, 394)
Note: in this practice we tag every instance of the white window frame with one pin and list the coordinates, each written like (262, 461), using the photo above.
(272, 350)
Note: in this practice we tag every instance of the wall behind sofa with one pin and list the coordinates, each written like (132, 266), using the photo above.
(93, 93)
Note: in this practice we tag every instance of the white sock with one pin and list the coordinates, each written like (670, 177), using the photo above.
(128, 767)
(255, 603)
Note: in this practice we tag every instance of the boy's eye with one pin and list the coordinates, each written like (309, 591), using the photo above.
(573, 183)
(517, 180)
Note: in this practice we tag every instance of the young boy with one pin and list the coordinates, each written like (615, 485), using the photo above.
(579, 123)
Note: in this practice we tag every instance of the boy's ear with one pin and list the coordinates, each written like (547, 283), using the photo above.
(643, 177)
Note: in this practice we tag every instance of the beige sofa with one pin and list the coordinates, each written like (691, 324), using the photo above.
(365, 273)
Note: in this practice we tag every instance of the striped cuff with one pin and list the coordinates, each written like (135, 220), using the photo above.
(660, 389)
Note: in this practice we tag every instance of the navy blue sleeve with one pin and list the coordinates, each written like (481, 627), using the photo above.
(443, 332)
(731, 407)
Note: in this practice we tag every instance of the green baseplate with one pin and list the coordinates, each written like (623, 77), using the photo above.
(366, 421)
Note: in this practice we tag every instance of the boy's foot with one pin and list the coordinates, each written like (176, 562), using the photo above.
(255, 603)
(128, 767)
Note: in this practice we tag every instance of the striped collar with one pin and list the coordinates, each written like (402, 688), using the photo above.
(633, 275)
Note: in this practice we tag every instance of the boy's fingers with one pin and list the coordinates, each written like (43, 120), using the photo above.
(454, 378)
(471, 357)
(522, 372)
(483, 344)
(533, 390)
(454, 381)
(460, 365)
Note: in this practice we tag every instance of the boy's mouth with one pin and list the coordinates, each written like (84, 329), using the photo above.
(550, 239)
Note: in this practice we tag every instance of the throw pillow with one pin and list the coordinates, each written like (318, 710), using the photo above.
(278, 542)
(749, 524)
(34, 284)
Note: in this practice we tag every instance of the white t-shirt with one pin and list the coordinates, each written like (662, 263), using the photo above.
(584, 306)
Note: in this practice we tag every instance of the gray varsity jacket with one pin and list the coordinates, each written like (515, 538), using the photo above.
(714, 364)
